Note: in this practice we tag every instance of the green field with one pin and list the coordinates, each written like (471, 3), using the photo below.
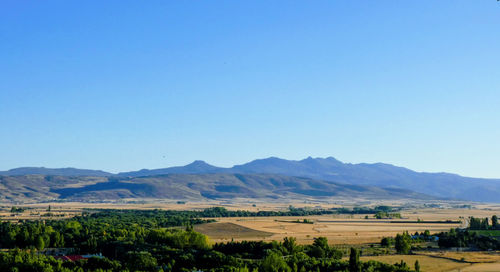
(494, 233)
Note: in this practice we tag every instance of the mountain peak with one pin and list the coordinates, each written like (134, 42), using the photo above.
(198, 162)
(329, 160)
(200, 165)
(272, 158)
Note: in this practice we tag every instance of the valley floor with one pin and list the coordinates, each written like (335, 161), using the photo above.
(342, 230)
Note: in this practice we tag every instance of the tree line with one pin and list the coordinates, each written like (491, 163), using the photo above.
(483, 223)
(471, 237)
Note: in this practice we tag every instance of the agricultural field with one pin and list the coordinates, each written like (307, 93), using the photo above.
(339, 229)
(468, 257)
(220, 231)
(493, 233)
(348, 229)
(344, 231)
(446, 261)
(39, 213)
(480, 267)
(427, 263)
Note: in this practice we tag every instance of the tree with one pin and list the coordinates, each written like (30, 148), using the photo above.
(386, 242)
(40, 244)
(484, 223)
(57, 239)
(403, 243)
(274, 263)
(15, 209)
(290, 244)
(474, 223)
(321, 242)
(316, 252)
(91, 245)
(380, 215)
(494, 222)
(417, 266)
(403, 266)
(96, 263)
(354, 264)
(321, 249)
(141, 261)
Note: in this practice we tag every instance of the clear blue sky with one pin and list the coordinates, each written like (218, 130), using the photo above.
(125, 85)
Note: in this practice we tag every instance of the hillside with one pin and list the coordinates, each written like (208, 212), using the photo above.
(442, 185)
(186, 186)
(378, 174)
(54, 171)
(37, 188)
(382, 175)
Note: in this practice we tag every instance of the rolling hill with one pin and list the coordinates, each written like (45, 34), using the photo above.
(54, 171)
(36, 188)
(442, 185)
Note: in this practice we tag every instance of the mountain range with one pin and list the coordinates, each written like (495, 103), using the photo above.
(325, 170)
(38, 188)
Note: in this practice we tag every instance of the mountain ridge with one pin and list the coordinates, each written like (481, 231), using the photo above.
(444, 185)
(193, 187)
(65, 171)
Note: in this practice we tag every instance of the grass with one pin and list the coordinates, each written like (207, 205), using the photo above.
(494, 233)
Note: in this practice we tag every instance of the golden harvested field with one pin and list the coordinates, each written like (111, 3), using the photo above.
(339, 229)
(482, 267)
(446, 261)
(427, 263)
(352, 229)
(470, 257)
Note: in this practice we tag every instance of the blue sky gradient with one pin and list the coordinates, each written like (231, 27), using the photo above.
(125, 85)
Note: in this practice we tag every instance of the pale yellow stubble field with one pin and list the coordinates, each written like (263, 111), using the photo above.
(446, 261)
(340, 229)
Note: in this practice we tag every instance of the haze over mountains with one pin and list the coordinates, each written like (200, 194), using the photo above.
(322, 171)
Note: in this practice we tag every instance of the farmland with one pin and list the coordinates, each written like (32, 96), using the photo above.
(446, 261)
(338, 228)
(349, 229)
(342, 231)
(427, 264)
(220, 231)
